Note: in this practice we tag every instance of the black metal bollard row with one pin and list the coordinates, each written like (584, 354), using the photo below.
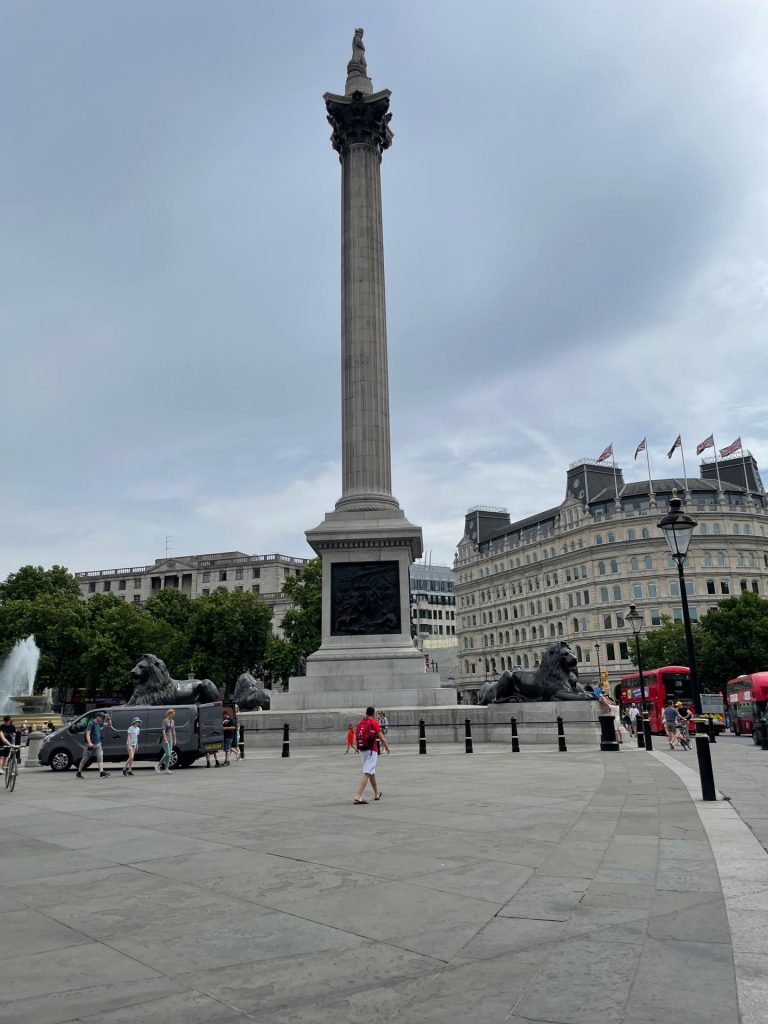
(561, 736)
(286, 740)
(706, 774)
(515, 739)
(608, 739)
(647, 732)
(467, 736)
(422, 736)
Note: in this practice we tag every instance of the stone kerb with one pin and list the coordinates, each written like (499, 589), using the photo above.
(537, 724)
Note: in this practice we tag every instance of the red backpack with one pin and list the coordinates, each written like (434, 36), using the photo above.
(365, 734)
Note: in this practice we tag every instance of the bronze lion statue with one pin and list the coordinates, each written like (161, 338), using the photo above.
(250, 694)
(152, 684)
(556, 678)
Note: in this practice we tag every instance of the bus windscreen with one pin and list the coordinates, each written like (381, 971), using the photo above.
(677, 685)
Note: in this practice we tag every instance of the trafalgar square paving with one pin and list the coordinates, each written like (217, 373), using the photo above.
(579, 887)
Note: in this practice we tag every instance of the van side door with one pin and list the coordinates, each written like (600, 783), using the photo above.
(211, 726)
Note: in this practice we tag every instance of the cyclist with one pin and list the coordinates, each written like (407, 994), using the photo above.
(7, 734)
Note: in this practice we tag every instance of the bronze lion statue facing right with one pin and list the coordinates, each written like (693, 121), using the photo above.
(556, 678)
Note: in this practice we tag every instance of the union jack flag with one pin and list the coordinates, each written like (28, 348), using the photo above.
(640, 448)
(725, 452)
(678, 444)
(708, 442)
(607, 454)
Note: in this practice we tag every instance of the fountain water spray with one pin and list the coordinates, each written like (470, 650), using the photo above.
(17, 673)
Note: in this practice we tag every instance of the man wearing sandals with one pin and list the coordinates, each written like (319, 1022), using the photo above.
(369, 738)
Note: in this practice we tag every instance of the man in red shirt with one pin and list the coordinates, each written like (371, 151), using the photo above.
(369, 737)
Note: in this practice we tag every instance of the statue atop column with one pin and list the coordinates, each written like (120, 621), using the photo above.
(357, 68)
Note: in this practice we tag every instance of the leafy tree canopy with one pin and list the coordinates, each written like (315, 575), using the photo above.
(227, 634)
(662, 646)
(733, 639)
(33, 580)
(302, 624)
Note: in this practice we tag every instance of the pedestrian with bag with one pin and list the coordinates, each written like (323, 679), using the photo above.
(168, 739)
(93, 747)
(368, 736)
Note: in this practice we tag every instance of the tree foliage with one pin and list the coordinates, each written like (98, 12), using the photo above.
(662, 646)
(732, 639)
(302, 624)
(227, 634)
(32, 581)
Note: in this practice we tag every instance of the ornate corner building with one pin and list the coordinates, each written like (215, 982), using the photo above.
(572, 571)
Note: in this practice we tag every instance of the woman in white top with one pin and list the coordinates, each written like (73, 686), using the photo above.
(132, 744)
(608, 706)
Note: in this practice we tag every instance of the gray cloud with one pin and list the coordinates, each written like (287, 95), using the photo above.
(574, 234)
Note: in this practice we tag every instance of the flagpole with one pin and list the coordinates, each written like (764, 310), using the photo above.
(717, 467)
(682, 456)
(744, 464)
(651, 495)
(615, 478)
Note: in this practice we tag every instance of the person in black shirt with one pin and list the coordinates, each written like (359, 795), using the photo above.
(7, 737)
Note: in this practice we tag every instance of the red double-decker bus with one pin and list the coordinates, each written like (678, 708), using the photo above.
(672, 682)
(747, 701)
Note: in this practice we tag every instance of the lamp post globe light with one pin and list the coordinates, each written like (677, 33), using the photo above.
(677, 526)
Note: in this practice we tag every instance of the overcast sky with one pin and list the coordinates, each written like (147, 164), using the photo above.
(575, 210)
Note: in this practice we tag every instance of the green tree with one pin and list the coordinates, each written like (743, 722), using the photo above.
(662, 646)
(732, 638)
(227, 635)
(116, 634)
(173, 609)
(302, 624)
(58, 622)
(31, 581)
(281, 659)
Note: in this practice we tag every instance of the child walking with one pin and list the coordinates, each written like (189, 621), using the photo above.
(132, 744)
(350, 739)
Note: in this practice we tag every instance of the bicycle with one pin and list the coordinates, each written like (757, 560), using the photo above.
(11, 770)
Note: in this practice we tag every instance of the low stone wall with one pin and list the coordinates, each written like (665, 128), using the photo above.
(536, 724)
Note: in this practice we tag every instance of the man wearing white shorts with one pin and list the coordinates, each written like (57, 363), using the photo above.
(369, 736)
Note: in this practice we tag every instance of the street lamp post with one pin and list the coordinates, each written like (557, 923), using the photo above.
(599, 670)
(635, 620)
(678, 528)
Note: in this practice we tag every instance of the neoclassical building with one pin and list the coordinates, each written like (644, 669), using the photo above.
(195, 575)
(571, 572)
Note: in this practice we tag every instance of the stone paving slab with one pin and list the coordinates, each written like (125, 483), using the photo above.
(574, 888)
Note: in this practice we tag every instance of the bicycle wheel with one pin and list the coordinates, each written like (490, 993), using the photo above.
(7, 773)
(13, 775)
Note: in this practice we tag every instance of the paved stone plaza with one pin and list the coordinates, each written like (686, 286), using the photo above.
(578, 888)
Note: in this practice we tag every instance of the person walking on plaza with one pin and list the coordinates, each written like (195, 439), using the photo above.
(669, 716)
(368, 737)
(168, 737)
(633, 716)
(350, 738)
(93, 747)
(132, 744)
(608, 706)
(230, 734)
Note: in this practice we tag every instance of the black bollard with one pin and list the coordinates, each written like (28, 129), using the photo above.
(608, 739)
(647, 732)
(711, 729)
(705, 767)
(241, 742)
(561, 736)
(422, 736)
(640, 732)
(286, 740)
(764, 734)
(467, 736)
(515, 740)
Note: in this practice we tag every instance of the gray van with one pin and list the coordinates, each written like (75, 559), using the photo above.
(199, 729)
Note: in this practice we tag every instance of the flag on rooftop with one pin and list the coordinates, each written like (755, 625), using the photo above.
(640, 448)
(708, 442)
(678, 444)
(734, 447)
(606, 454)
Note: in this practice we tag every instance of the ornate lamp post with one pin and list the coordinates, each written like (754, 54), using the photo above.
(635, 620)
(678, 528)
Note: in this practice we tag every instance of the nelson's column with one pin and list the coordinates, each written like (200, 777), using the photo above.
(366, 544)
